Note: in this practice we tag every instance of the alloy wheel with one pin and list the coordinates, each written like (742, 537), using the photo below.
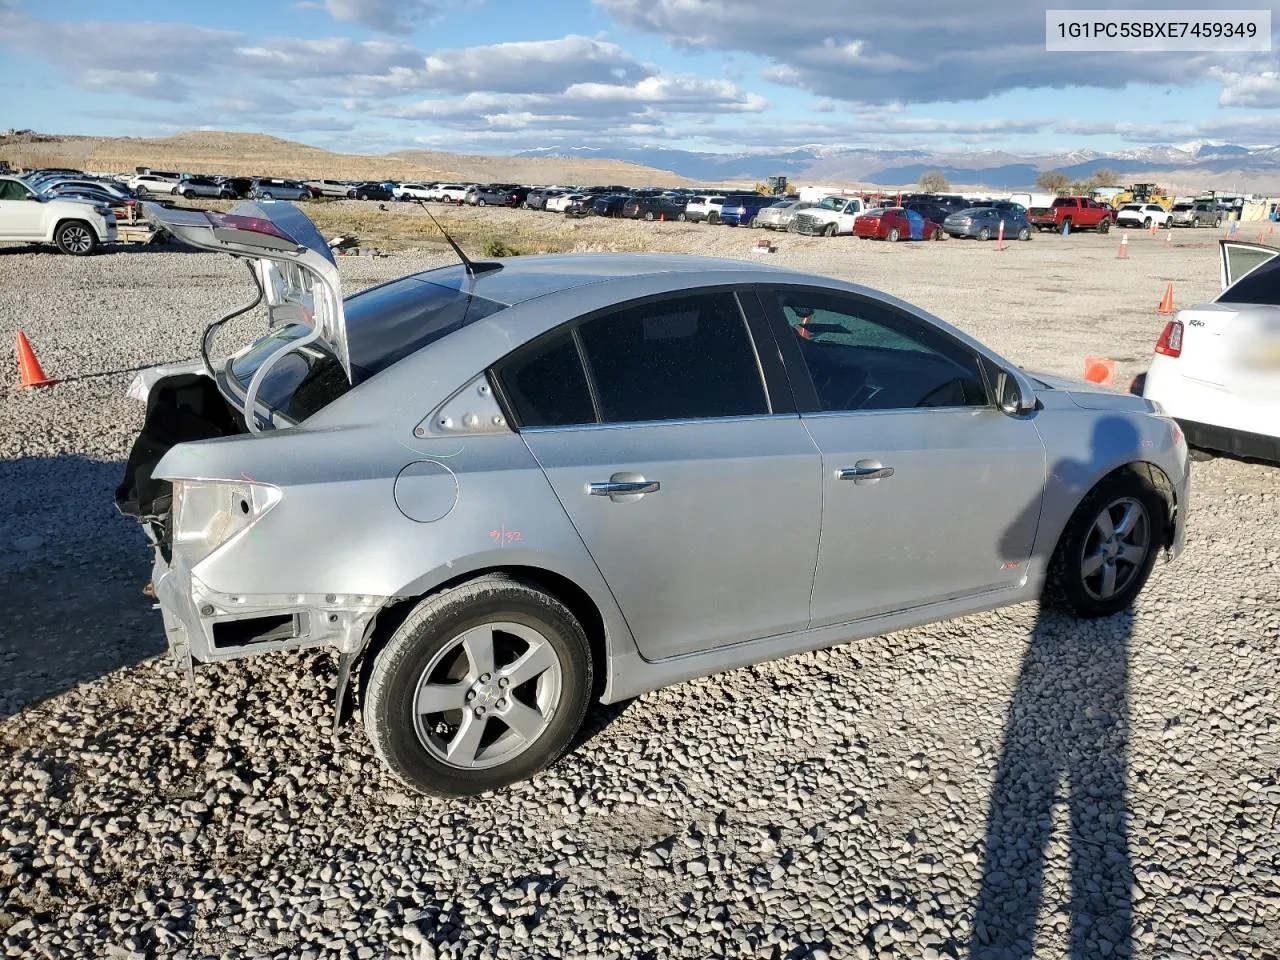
(1115, 548)
(77, 239)
(487, 696)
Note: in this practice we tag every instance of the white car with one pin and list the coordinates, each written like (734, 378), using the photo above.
(411, 191)
(1143, 215)
(702, 207)
(1216, 368)
(145, 183)
(74, 226)
(449, 192)
(560, 202)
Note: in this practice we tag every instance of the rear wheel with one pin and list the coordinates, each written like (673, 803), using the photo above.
(681, 216)
(829, 230)
(1108, 547)
(713, 217)
(893, 235)
(483, 685)
(481, 203)
(1195, 222)
(1024, 234)
(984, 233)
(76, 238)
(648, 215)
(1217, 223)
(1147, 223)
(1104, 225)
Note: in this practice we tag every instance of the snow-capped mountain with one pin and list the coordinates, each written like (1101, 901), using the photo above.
(1192, 165)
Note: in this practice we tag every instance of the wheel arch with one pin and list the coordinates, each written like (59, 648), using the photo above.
(577, 599)
(63, 221)
(1144, 469)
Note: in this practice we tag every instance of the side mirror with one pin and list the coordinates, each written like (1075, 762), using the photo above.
(1015, 396)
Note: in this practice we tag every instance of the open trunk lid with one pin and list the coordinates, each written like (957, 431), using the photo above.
(1240, 257)
(292, 262)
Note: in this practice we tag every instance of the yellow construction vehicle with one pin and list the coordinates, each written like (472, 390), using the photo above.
(772, 186)
(1143, 193)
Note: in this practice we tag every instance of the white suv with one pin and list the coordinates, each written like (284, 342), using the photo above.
(75, 226)
(1143, 215)
(702, 208)
(145, 183)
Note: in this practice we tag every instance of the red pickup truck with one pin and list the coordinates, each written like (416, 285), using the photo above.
(1081, 212)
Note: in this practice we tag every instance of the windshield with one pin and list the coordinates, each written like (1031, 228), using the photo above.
(1181, 207)
(384, 325)
(833, 203)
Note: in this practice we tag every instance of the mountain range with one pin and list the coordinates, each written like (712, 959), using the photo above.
(1196, 165)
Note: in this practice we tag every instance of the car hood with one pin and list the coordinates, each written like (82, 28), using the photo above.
(292, 261)
(1091, 396)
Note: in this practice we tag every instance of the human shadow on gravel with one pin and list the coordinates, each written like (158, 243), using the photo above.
(71, 577)
(1065, 741)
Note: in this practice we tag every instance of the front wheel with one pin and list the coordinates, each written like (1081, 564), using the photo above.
(484, 684)
(1217, 223)
(1024, 234)
(481, 203)
(76, 238)
(1104, 226)
(1195, 222)
(830, 230)
(984, 234)
(648, 215)
(1108, 547)
(682, 217)
(713, 218)
(893, 235)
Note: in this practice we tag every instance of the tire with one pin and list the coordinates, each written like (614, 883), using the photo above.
(893, 236)
(75, 237)
(142, 191)
(481, 202)
(1067, 586)
(362, 196)
(1104, 226)
(1024, 234)
(429, 644)
(1217, 223)
(1066, 222)
(713, 218)
(1146, 223)
(648, 215)
(753, 224)
(937, 234)
(830, 230)
(264, 196)
(984, 233)
(1195, 222)
(681, 216)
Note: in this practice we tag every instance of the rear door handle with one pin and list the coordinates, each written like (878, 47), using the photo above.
(611, 488)
(865, 471)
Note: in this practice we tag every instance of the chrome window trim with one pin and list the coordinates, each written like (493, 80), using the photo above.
(751, 418)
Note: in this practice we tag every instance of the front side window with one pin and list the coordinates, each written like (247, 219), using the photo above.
(13, 190)
(865, 355)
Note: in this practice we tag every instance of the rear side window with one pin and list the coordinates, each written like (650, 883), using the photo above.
(681, 358)
(678, 359)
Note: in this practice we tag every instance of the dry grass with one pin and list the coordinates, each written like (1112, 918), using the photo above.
(254, 154)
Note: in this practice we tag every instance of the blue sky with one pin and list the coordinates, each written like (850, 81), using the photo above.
(502, 76)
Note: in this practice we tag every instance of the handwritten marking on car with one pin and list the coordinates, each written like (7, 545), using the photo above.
(502, 536)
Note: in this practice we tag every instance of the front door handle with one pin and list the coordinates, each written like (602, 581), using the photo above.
(865, 471)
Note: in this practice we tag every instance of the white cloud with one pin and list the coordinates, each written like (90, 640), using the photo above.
(1257, 88)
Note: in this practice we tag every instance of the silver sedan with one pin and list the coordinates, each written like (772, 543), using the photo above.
(504, 490)
(778, 216)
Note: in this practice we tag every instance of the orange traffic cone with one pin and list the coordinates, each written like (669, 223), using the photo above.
(1099, 370)
(1166, 302)
(28, 366)
(1168, 237)
(662, 218)
(1124, 247)
(1152, 231)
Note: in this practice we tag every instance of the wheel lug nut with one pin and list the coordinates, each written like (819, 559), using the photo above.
(471, 695)
(479, 711)
(502, 704)
(484, 678)
(503, 682)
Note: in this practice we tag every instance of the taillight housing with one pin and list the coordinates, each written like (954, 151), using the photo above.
(1170, 342)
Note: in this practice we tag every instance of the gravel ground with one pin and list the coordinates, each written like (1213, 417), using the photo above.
(1006, 785)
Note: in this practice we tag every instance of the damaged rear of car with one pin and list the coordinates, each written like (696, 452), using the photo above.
(201, 504)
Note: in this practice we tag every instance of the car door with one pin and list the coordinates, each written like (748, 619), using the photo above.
(930, 492)
(695, 489)
(21, 213)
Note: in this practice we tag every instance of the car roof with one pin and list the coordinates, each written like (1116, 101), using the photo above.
(526, 278)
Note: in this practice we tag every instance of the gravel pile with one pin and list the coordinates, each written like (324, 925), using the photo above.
(1007, 785)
